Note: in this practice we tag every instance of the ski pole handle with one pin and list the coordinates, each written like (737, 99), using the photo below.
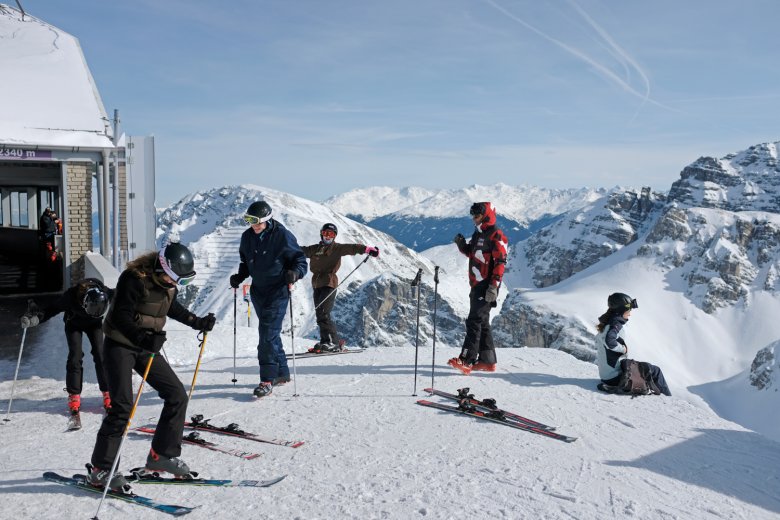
(417, 278)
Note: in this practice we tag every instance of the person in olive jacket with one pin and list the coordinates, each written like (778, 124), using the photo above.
(324, 263)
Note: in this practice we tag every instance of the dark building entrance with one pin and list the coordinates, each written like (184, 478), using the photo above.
(31, 258)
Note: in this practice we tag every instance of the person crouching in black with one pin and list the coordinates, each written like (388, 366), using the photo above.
(84, 306)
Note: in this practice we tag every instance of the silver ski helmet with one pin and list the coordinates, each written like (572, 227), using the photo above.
(95, 302)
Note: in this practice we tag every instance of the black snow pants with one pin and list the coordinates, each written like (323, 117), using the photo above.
(74, 368)
(120, 361)
(328, 333)
(478, 344)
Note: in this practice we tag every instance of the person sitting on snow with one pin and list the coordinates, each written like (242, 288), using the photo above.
(611, 348)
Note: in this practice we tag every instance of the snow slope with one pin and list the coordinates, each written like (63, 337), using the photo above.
(370, 452)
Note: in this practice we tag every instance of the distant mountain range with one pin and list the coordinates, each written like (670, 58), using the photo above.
(420, 218)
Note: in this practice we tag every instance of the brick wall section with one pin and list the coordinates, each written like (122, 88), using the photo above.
(78, 218)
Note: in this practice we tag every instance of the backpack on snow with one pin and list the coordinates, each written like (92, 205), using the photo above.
(635, 379)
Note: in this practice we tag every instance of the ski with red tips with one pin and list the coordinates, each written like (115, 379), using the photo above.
(197, 422)
(494, 416)
(194, 438)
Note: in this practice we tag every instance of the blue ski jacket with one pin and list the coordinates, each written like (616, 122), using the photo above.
(266, 256)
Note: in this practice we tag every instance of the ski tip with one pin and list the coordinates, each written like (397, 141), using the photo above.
(297, 444)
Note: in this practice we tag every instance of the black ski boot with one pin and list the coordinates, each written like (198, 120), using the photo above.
(162, 464)
(263, 389)
(97, 477)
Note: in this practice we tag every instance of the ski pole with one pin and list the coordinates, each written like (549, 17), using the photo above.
(416, 283)
(16, 374)
(124, 435)
(435, 294)
(235, 313)
(197, 365)
(331, 293)
(292, 340)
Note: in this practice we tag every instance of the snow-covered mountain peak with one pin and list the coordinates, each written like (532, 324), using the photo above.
(744, 181)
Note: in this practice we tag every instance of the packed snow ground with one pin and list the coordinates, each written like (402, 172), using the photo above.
(370, 452)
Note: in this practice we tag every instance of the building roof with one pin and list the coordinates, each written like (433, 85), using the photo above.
(48, 95)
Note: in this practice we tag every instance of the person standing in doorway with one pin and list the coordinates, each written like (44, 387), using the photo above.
(270, 254)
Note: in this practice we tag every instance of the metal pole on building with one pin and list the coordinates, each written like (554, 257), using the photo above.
(99, 181)
(104, 243)
(115, 234)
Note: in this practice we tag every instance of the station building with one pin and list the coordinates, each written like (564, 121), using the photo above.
(59, 149)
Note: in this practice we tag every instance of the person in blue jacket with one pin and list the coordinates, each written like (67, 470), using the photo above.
(270, 254)
(611, 348)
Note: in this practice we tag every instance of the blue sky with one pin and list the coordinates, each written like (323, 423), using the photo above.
(317, 97)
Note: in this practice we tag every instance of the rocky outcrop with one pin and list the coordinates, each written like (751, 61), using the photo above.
(521, 324)
(764, 367)
(583, 237)
(747, 181)
(383, 312)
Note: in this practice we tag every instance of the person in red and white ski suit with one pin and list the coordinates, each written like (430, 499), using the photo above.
(487, 259)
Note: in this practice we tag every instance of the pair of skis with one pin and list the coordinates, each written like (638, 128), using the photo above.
(194, 439)
(304, 355)
(198, 423)
(140, 476)
(486, 409)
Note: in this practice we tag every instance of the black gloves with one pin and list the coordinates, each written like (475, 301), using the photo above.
(290, 276)
(205, 323)
(153, 341)
(29, 320)
(235, 280)
(459, 239)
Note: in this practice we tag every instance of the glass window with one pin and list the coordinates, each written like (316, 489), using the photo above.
(47, 198)
(19, 216)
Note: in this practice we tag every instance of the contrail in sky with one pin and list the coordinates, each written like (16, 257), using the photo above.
(614, 49)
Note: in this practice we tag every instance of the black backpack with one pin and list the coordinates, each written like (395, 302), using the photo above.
(635, 379)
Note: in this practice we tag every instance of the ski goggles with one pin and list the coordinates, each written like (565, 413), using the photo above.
(182, 280)
(634, 304)
(328, 234)
(252, 220)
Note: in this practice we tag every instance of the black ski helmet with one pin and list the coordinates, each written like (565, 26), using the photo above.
(177, 262)
(95, 302)
(329, 227)
(261, 210)
(621, 302)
